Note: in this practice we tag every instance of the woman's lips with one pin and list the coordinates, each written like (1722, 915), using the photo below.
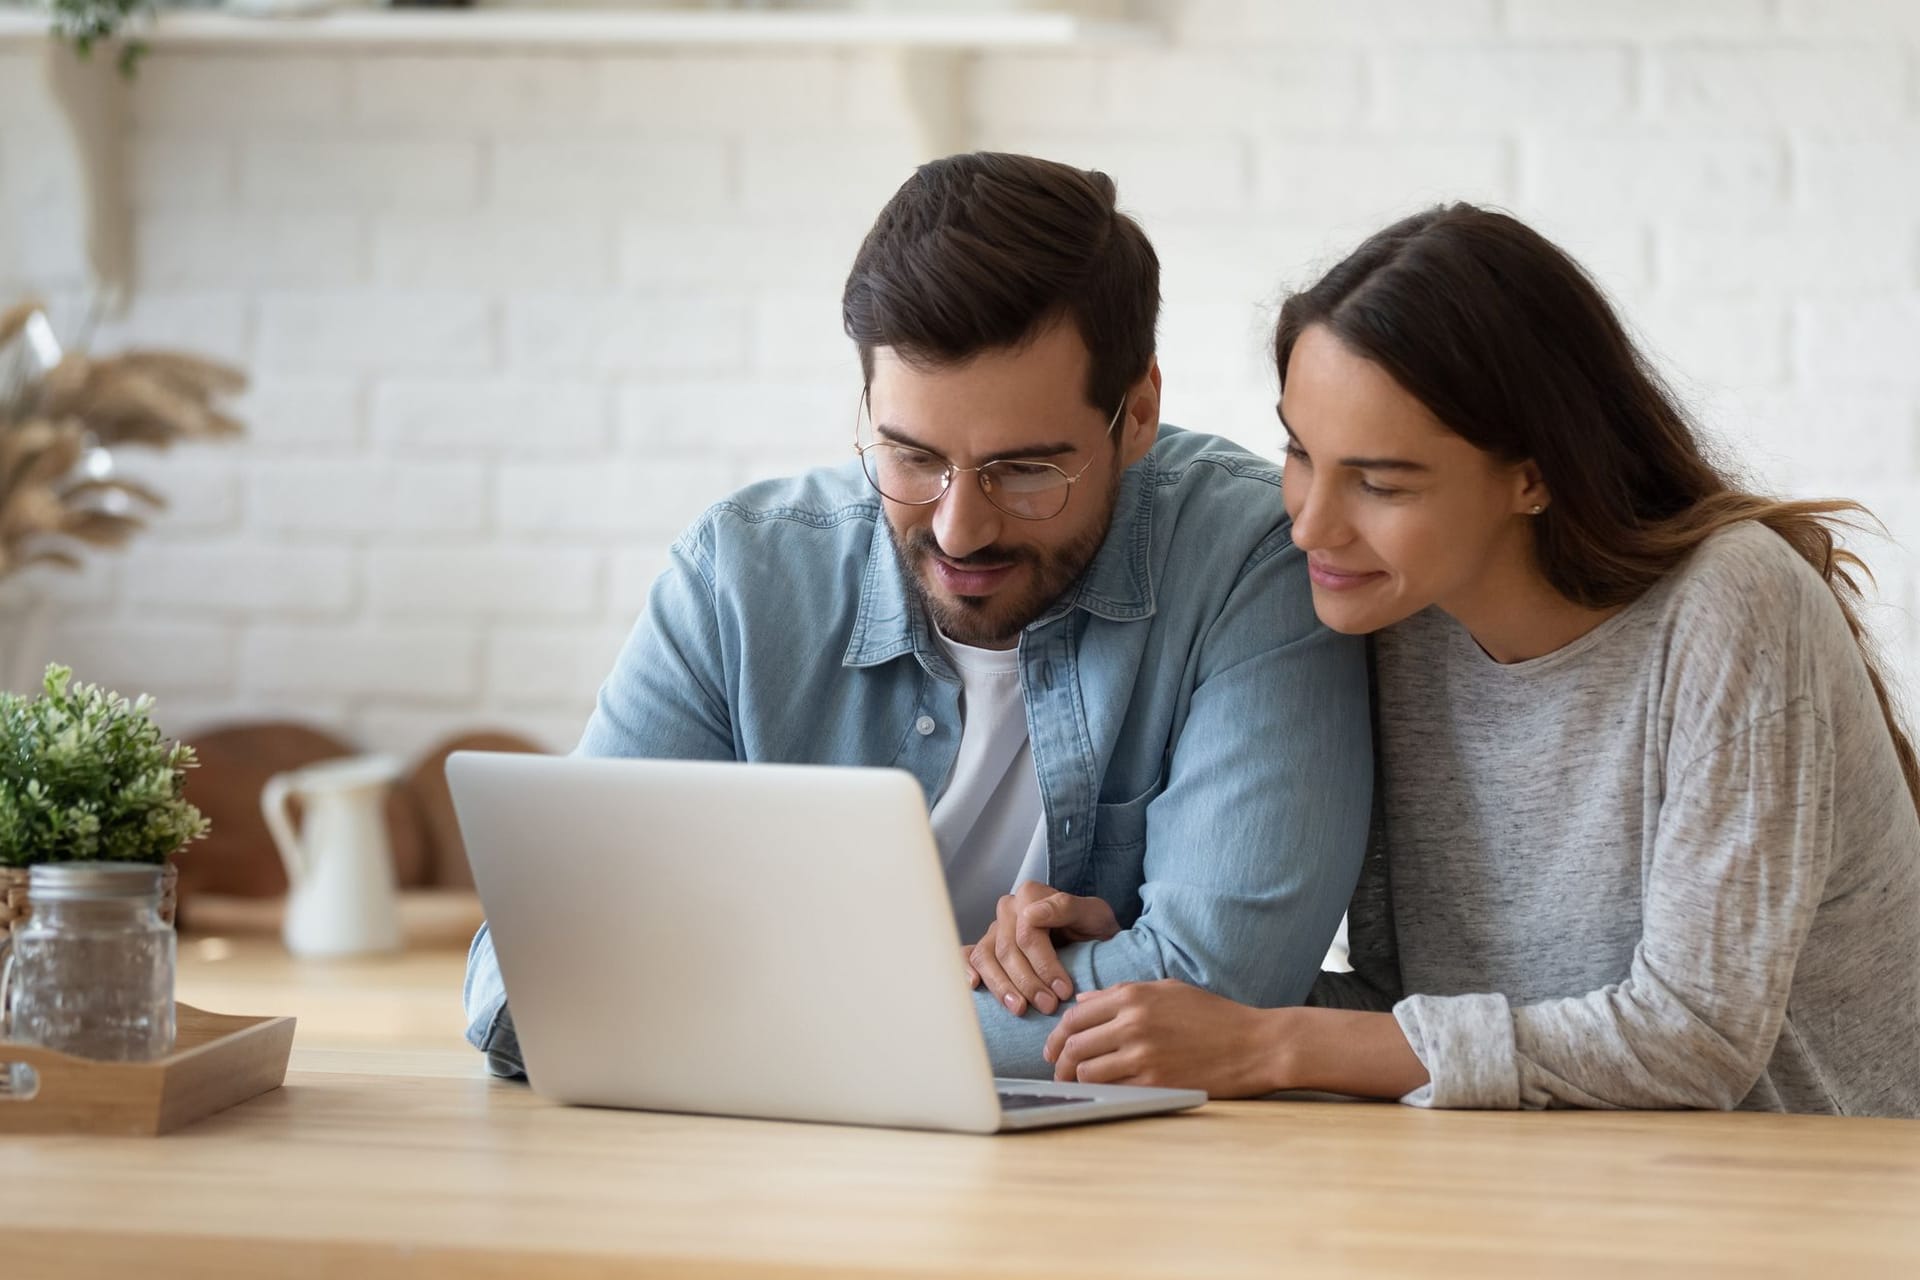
(971, 581)
(1333, 579)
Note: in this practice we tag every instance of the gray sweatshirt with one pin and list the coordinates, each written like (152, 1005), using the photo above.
(1672, 864)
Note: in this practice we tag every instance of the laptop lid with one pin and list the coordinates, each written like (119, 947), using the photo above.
(753, 940)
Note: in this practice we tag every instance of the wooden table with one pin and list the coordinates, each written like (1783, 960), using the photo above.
(409, 1000)
(405, 1160)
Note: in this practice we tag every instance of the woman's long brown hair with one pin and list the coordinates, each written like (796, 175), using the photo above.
(1514, 348)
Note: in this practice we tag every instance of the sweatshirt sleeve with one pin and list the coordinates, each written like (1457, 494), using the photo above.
(1739, 865)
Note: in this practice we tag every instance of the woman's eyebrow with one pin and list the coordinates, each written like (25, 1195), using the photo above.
(1360, 463)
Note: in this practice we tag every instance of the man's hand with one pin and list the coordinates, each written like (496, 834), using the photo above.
(1017, 959)
(1169, 1034)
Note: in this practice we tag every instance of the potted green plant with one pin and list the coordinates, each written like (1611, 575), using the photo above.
(85, 776)
(84, 23)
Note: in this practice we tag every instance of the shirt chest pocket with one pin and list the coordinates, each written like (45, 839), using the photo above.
(1119, 854)
(1121, 826)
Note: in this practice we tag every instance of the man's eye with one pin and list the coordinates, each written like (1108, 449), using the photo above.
(1375, 491)
(1026, 471)
(1295, 453)
(915, 459)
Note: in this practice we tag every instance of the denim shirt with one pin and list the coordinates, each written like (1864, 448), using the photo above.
(1202, 742)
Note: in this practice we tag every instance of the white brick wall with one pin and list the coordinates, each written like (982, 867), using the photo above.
(322, 497)
(482, 582)
(565, 171)
(514, 317)
(371, 172)
(387, 663)
(204, 248)
(519, 251)
(456, 94)
(546, 665)
(649, 495)
(374, 332)
(194, 173)
(625, 334)
(442, 418)
(1654, 21)
(1873, 341)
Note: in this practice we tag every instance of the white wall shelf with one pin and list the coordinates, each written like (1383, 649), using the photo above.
(605, 28)
(927, 51)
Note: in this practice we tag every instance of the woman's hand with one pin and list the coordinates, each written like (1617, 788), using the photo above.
(1170, 1034)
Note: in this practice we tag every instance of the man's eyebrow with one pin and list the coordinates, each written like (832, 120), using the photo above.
(1050, 450)
(1360, 464)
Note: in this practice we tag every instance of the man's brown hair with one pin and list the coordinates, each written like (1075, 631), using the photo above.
(984, 251)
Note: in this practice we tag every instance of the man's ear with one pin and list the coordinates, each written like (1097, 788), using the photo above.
(1140, 425)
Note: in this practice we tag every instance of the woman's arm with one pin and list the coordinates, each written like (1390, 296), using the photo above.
(1340, 1051)
(1173, 1034)
(1739, 865)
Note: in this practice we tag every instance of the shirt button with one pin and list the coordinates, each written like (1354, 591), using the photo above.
(924, 725)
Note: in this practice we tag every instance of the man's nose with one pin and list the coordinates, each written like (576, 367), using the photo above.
(963, 520)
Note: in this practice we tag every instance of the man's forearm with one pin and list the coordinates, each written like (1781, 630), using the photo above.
(489, 1021)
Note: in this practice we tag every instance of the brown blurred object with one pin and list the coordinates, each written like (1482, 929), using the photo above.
(238, 871)
(238, 858)
(427, 783)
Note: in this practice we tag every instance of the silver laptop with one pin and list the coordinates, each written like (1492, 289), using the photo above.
(746, 940)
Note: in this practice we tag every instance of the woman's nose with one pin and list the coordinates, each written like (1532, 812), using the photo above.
(1316, 521)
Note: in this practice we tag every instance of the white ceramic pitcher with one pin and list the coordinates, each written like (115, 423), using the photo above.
(341, 898)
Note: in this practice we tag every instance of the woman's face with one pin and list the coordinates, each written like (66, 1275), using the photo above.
(1394, 511)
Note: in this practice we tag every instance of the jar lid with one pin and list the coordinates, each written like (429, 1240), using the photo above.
(78, 881)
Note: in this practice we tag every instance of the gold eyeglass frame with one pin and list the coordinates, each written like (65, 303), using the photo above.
(865, 407)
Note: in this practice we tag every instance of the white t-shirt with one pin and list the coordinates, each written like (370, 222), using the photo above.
(989, 823)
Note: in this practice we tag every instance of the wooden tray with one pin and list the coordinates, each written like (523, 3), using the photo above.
(218, 1060)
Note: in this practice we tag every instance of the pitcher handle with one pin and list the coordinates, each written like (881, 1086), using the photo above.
(6, 986)
(273, 806)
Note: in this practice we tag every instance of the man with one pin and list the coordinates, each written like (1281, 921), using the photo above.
(1087, 635)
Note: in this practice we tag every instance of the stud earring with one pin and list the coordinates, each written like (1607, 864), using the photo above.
(1536, 508)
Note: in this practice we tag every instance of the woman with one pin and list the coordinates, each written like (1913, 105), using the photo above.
(1646, 831)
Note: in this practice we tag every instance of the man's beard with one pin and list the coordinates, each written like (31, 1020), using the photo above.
(992, 622)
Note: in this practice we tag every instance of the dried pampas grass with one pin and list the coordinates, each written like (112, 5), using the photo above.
(58, 493)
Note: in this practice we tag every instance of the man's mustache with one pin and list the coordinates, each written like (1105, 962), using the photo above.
(921, 542)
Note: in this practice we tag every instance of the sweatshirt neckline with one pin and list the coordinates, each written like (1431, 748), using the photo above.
(1571, 651)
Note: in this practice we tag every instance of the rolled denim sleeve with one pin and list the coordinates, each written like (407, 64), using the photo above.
(489, 1023)
(1255, 845)
(663, 700)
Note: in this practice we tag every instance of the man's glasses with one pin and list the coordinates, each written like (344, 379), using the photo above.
(917, 478)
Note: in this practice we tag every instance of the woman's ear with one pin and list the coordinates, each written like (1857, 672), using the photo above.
(1530, 490)
(1140, 424)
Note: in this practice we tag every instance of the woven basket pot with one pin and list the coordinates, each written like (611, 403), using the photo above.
(14, 905)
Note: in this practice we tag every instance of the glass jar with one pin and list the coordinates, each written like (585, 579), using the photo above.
(90, 971)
